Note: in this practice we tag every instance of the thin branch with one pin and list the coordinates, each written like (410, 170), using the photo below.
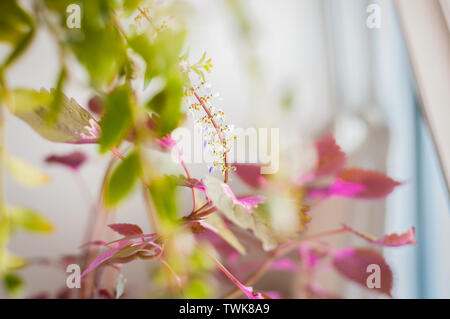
(282, 250)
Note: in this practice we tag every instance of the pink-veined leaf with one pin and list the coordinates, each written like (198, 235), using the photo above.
(239, 213)
(72, 160)
(105, 256)
(250, 174)
(124, 251)
(126, 229)
(355, 264)
(250, 202)
(392, 240)
(375, 184)
(246, 202)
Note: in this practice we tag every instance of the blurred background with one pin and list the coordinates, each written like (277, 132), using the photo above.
(309, 67)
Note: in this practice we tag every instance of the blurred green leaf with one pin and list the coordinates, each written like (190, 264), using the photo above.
(25, 173)
(123, 179)
(117, 119)
(14, 21)
(102, 53)
(199, 289)
(200, 263)
(58, 95)
(164, 195)
(28, 219)
(11, 262)
(73, 122)
(97, 44)
(160, 54)
(13, 284)
(167, 104)
(131, 5)
(16, 28)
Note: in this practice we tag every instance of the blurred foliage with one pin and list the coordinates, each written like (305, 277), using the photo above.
(164, 193)
(28, 219)
(117, 119)
(123, 178)
(122, 58)
(16, 29)
(25, 173)
(13, 284)
(107, 47)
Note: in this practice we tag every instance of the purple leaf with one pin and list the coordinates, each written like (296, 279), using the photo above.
(331, 159)
(353, 263)
(250, 174)
(126, 229)
(96, 106)
(72, 160)
(375, 184)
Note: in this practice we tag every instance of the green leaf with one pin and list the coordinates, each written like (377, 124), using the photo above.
(164, 195)
(220, 196)
(13, 284)
(102, 53)
(29, 220)
(160, 54)
(97, 45)
(199, 289)
(74, 124)
(56, 105)
(13, 22)
(16, 28)
(123, 179)
(25, 173)
(11, 262)
(131, 5)
(167, 104)
(117, 119)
